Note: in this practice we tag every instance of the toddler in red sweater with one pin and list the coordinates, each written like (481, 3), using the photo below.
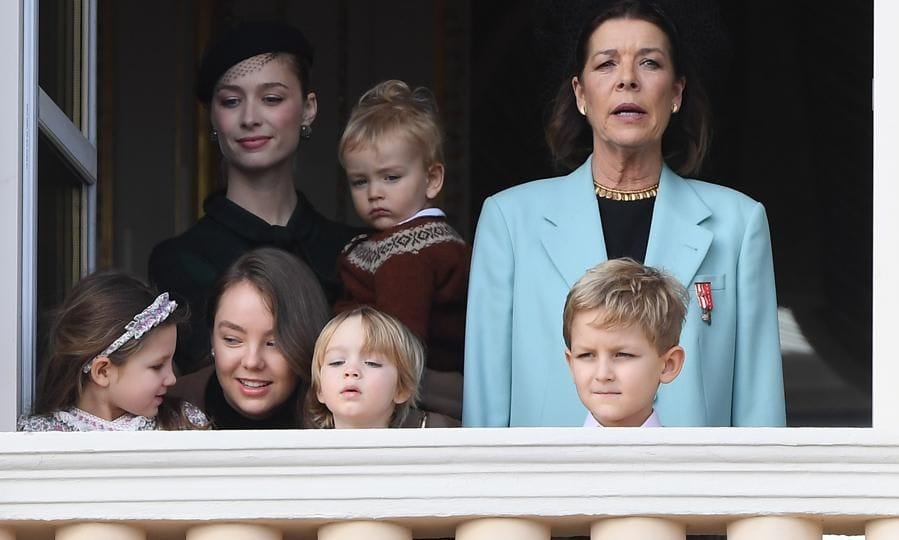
(415, 266)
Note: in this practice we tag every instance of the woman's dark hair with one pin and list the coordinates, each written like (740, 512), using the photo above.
(291, 291)
(686, 139)
(92, 316)
(300, 67)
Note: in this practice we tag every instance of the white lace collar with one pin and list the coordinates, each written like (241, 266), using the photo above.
(81, 420)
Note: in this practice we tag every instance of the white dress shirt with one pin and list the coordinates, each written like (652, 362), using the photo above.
(652, 421)
(425, 212)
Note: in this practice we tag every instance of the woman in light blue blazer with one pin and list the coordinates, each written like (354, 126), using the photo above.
(626, 114)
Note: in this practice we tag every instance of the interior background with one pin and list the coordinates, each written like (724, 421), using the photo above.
(790, 84)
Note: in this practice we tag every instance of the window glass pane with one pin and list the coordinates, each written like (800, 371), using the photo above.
(60, 53)
(59, 234)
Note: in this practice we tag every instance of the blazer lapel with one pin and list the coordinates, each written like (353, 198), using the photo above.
(677, 243)
(571, 231)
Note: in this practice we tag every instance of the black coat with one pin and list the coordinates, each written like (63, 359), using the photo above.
(187, 266)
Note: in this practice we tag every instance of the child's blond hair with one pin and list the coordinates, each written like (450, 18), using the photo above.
(629, 293)
(384, 335)
(392, 107)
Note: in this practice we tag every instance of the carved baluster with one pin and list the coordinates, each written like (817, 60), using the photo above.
(370, 530)
(100, 531)
(637, 528)
(233, 531)
(774, 527)
(493, 528)
(882, 529)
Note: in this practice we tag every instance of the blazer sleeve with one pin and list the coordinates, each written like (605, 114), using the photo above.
(487, 391)
(758, 398)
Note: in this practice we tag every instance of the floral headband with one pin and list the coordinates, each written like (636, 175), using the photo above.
(143, 322)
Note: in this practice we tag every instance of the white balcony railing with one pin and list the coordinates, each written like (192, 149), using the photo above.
(475, 484)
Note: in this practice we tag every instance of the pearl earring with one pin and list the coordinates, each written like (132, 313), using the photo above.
(674, 109)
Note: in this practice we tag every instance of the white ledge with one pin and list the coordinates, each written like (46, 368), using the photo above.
(842, 477)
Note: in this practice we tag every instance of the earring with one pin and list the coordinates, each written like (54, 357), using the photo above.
(674, 109)
(583, 110)
(305, 132)
(212, 352)
(214, 136)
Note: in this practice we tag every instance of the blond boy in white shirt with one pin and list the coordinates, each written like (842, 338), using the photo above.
(621, 324)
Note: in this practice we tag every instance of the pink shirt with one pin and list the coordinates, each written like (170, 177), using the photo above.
(652, 421)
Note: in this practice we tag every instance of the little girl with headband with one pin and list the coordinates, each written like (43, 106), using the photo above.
(110, 362)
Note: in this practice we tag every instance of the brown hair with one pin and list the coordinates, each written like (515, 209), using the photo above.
(299, 67)
(93, 315)
(687, 136)
(385, 335)
(391, 106)
(629, 293)
(295, 298)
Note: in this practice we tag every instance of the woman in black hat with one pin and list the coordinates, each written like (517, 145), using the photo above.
(255, 81)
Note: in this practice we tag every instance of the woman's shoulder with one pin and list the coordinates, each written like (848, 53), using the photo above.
(219, 231)
(185, 249)
(546, 190)
(716, 195)
(557, 196)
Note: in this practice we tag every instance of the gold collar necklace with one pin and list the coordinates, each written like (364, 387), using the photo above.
(625, 195)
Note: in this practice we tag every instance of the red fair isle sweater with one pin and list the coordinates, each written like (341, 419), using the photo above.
(417, 272)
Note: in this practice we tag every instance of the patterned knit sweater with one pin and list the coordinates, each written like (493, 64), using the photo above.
(417, 272)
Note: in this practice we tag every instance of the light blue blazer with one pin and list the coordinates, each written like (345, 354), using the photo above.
(534, 241)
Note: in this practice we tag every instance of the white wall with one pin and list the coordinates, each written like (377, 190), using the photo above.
(10, 208)
(886, 214)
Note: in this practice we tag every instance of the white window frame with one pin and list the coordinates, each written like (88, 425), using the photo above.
(77, 145)
(18, 144)
(885, 281)
(15, 137)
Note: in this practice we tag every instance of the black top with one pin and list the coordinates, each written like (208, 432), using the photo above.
(625, 227)
(223, 416)
(187, 266)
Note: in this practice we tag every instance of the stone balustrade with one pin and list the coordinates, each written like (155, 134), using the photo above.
(527, 484)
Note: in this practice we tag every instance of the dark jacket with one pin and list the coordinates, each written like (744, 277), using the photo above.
(187, 266)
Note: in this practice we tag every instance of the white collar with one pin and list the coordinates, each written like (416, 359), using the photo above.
(425, 212)
(82, 420)
(652, 421)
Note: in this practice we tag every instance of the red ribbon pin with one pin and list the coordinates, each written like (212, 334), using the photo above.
(704, 295)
